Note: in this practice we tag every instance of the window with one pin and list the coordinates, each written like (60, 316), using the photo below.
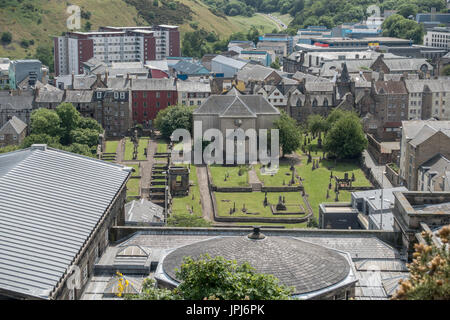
(157, 94)
(99, 95)
(168, 94)
(122, 95)
(2, 137)
(116, 95)
(157, 104)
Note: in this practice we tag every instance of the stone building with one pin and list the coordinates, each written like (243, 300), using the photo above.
(400, 66)
(155, 252)
(193, 92)
(13, 132)
(16, 103)
(256, 74)
(56, 212)
(233, 111)
(434, 175)
(390, 108)
(421, 141)
(415, 212)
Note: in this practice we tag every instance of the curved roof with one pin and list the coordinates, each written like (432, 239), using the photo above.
(305, 266)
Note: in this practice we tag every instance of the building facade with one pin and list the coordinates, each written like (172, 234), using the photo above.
(115, 44)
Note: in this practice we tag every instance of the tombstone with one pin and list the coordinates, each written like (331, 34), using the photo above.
(328, 193)
(280, 205)
(244, 210)
(292, 178)
(353, 176)
(284, 183)
(346, 176)
(145, 151)
(337, 196)
(317, 166)
(265, 203)
(331, 174)
(234, 206)
(231, 211)
(284, 199)
(225, 178)
(330, 186)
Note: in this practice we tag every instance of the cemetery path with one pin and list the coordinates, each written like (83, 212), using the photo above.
(146, 169)
(207, 207)
(120, 151)
(377, 170)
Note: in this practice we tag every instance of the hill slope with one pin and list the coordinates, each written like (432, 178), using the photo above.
(41, 20)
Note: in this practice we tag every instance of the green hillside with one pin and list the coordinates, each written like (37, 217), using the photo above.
(34, 23)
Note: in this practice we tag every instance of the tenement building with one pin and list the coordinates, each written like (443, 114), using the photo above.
(421, 142)
(56, 212)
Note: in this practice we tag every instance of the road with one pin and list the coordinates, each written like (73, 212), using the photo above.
(280, 24)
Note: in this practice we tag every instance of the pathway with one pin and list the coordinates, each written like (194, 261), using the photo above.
(253, 179)
(377, 170)
(120, 151)
(146, 168)
(207, 207)
(267, 17)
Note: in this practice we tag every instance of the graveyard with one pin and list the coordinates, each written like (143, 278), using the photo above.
(226, 176)
(191, 202)
(260, 204)
(141, 150)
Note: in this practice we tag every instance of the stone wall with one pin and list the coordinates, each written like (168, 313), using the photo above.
(392, 176)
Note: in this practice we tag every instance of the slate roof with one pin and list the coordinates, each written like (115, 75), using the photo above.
(229, 62)
(428, 130)
(412, 64)
(254, 73)
(390, 87)
(48, 94)
(154, 84)
(15, 124)
(143, 211)
(434, 85)
(186, 67)
(193, 86)
(17, 102)
(79, 96)
(305, 266)
(83, 82)
(308, 77)
(51, 203)
(236, 105)
(411, 128)
(319, 86)
(438, 164)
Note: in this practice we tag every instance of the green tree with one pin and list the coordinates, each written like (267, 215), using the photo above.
(316, 125)
(88, 137)
(40, 138)
(276, 64)
(45, 55)
(289, 133)
(6, 37)
(9, 148)
(219, 279)
(346, 137)
(400, 27)
(90, 123)
(186, 220)
(172, 118)
(45, 121)
(429, 270)
(70, 120)
(407, 9)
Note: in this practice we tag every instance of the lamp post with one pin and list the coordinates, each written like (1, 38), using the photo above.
(382, 199)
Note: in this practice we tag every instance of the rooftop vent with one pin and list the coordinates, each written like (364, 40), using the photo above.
(42, 147)
(256, 235)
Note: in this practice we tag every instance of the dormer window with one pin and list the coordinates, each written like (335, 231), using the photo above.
(99, 95)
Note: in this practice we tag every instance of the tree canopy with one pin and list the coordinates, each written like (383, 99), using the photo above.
(172, 118)
(64, 129)
(346, 139)
(218, 279)
(289, 133)
(400, 27)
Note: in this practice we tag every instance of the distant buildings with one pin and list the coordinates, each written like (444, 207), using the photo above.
(227, 66)
(25, 73)
(281, 44)
(438, 37)
(115, 44)
(193, 92)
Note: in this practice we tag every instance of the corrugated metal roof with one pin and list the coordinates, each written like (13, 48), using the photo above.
(50, 203)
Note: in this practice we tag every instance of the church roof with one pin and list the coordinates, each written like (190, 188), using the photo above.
(236, 105)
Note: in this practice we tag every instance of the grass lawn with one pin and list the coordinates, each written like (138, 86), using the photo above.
(264, 24)
(254, 203)
(316, 182)
(129, 148)
(276, 180)
(136, 167)
(234, 180)
(162, 146)
(133, 187)
(111, 146)
(180, 204)
(315, 150)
